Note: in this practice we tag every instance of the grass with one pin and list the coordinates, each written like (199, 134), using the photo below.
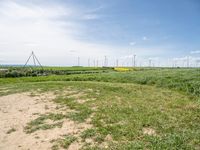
(14, 72)
(81, 113)
(124, 110)
(63, 142)
(89, 133)
(39, 123)
(185, 80)
(122, 105)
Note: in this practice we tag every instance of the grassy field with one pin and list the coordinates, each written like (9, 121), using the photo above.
(152, 108)
(31, 71)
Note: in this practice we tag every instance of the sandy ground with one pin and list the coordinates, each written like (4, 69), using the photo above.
(17, 110)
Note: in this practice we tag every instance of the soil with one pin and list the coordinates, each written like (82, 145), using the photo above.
(17, 110)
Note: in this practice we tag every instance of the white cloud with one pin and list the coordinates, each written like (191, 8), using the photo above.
(144, 38)
(132, 43)
(195, 52)
(185, 58)
(48, 30)
(127, 56)
(95, 10)
(198, 60)
(154, 58)
(53, 31)
(29, 11)
(90, 16)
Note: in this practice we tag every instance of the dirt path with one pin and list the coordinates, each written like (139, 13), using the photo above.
(17, 110)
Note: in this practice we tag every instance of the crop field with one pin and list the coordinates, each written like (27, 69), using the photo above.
(101, 108)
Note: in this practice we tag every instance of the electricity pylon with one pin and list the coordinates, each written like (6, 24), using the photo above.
(35, 60)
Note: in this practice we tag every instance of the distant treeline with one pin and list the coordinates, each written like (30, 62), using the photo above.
(14, 72)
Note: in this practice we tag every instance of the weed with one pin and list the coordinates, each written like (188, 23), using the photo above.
(64, 142)
(11, 130)
(39, 123)
(89, 133)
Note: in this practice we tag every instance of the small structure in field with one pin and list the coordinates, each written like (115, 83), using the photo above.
(36, 62)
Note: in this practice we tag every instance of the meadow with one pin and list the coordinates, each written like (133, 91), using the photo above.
(138, 108)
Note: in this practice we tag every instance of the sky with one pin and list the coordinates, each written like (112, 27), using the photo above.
(167, 32)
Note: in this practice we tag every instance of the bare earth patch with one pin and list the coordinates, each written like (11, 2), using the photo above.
(149, 131)
(17, 110)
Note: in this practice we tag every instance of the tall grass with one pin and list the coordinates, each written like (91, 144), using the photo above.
(185, 80)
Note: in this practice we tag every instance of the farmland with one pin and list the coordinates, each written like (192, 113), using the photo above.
(131, 108)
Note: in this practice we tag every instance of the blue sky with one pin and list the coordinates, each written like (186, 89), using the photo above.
(60, 31)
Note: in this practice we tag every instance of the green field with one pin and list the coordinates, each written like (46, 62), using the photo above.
(146, 108)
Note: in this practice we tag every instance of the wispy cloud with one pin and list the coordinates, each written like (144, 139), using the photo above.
(195, 52)
(185, 58)
(72, 51)
(30, 11)
(58, 31)
(96, 9)
(132, 43)
(90, 17)
(144, 38)
(92, 14)
(154, 58)
(50, 30)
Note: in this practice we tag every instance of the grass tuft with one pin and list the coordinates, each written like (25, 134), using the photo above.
(39, 123)
(64, 142)
(11, 130)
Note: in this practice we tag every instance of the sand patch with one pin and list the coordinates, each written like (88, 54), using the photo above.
(17, 110)
(149, 131)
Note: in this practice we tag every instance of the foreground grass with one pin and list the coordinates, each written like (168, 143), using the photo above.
(63, 142)
(124, 110)
(39, 123)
